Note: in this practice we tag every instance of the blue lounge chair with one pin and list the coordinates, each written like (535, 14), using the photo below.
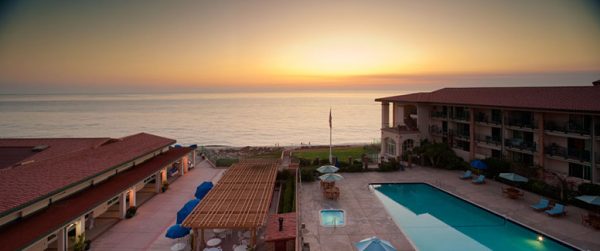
(479, 180)
(557, 210)
(542, 205)
(467, 175)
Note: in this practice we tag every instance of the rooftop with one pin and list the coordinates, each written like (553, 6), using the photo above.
(23, 232)
(240, 200)
(289, 227)
(65, 163)
(566, 98)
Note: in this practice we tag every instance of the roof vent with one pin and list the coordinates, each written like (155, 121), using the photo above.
(39, 148)
(596, 83)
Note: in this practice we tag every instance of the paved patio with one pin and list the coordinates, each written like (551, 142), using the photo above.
(366, 216)
(147, 229)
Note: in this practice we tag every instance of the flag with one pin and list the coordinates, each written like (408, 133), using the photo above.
(329, 117)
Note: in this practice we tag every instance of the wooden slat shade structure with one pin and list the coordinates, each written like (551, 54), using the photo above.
(240, 200)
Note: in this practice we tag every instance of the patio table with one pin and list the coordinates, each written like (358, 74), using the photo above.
(213, 242)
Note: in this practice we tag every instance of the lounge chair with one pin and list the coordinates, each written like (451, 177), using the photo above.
(542, 205)
(557, 210)
(467, 175)
(479, 180)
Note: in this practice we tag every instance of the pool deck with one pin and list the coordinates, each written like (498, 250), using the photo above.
(367, 217)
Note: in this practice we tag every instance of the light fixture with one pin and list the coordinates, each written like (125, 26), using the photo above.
(540, 238)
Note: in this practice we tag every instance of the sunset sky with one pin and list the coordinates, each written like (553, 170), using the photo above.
(161, 45)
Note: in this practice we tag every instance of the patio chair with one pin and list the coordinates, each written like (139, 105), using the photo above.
(543, 204)
(479, 180)
(467, 175)
(557, 210)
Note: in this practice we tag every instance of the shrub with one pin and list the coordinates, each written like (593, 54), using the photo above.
(390, 165)
(307, 174)
(304, 162)
(589, 189)
(495, 166)
(226, 162)
(354, 168)
(287, 202)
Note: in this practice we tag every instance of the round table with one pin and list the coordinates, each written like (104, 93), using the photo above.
(178, 247)
(213, 242)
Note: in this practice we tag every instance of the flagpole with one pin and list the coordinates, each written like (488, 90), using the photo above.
(330, 128)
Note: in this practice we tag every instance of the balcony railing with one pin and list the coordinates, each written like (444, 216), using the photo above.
(460, 135)
(570, 127)
(522, 123)
(520, 144)
(438, 114)
(437, 131)
(568, 153)
(489, 140)
(483, 118)
(460, 116)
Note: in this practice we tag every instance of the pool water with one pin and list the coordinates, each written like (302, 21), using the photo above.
(435, 220)
(333, 218)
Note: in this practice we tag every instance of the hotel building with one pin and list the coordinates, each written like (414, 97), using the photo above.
(556, 128)
(53, 190)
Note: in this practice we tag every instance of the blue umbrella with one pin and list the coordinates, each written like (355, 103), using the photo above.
(203, 189)
(177, 231)
(374, 244)
(478, 164)
(186, 210)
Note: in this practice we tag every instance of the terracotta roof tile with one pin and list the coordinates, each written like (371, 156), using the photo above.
(568, 98)
(23, 232)
(31, 182)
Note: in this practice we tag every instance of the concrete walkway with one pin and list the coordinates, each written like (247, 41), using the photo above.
(367, 217)
(147, 229)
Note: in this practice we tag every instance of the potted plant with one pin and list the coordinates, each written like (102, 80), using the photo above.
(130, 212)
(80, 243)
(165, 187)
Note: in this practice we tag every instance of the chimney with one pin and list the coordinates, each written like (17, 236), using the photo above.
(596, 83)
(280, 224)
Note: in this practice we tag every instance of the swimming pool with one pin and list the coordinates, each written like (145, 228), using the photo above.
(333, 218)
(435, 220)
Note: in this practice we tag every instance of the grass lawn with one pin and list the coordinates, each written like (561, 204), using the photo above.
(342, 153)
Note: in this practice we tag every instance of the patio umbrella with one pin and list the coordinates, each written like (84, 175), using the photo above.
(590, 199)
(186, 210)
(331, 177)
(327, 169)
(177, 231)
(203, 189)
(513, 177)
(478, 164)
(374, 244)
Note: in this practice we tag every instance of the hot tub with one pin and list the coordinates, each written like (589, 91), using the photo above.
(333, 218)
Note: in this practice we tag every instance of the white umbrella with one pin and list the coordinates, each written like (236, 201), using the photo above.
(328, 169)
(513, 177)
(331, 177)
(590, 199)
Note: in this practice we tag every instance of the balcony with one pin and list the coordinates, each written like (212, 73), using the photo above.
(521, 123)
(436, 131)
(489, 140)
(400, 130)
(520, 145)
(565, 153)
(439, 115)
(462, 116)
(464, 136)
(482, 118)
(569, 128)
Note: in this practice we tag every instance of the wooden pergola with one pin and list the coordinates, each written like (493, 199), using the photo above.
(240, 200)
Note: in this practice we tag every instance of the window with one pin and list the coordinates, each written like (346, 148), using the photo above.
(391, 147)
(580, 171)
(407, 145)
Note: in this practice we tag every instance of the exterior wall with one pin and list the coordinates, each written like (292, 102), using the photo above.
(463, 154)
(40, 245)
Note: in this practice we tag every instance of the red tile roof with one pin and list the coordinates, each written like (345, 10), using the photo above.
(24, 232)
(22, 185)
(290, 227)
(567, 98)
(56, 147)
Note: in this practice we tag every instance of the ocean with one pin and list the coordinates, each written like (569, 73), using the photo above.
(230, 119)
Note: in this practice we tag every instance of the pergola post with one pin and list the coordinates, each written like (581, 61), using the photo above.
(253, 237)
(202, 242)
